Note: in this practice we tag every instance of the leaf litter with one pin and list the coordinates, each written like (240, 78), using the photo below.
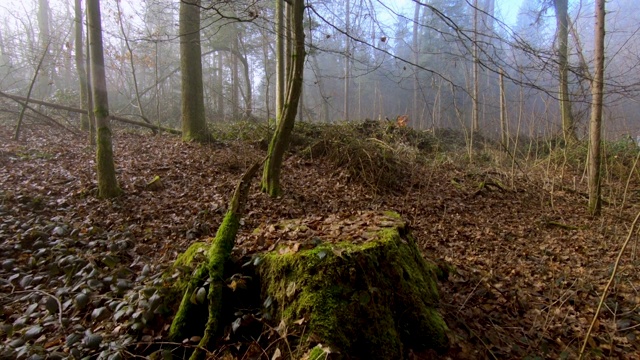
(78, 274)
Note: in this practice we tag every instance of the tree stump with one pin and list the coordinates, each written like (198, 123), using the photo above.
(340, 288)
(366, 294)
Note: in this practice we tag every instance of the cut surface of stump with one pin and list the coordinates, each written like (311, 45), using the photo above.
(357, 288)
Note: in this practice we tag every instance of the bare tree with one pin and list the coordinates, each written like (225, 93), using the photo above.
(280, 58)
(106, 171)
(80, 68)
(43, 86)
(194, 126)
(281, 137)
(595, 127)
(562, 20)
(347, 61)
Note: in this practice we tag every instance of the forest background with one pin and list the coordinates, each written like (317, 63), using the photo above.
(511, 96)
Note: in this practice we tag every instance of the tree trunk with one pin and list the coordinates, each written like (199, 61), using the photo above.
(347, 62)
(235, 81)
(475, 111)
(504, 129)
(194, 126)
(595, 128)
(5, 60)
(280, 59)
(281, 137)
(79, 58)
(106, 172)
(562, 19)
(43, 89)
(267, 75)
(92, 118)
(68, 54)
(248, 95)
(220, 82)
(416, 59)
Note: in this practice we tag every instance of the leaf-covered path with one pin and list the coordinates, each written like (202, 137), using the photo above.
(528, 264)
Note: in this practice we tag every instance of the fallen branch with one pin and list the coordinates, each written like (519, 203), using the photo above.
(563, 225)
(46, 117)
(213, 269)
(82, 111)
(148, 126)
(16, 136)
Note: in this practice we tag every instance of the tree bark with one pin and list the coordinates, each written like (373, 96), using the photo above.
(562, 19)
(281, 137)
(595, 128)
(106, 171)
(194, 125)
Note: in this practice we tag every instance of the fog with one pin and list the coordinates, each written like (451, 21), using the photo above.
(391, 59)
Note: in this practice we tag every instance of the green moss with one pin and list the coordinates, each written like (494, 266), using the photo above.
(376, 300)
(100, 112)
(106, 170)
(203, 319)
(190, 319)
(194, 250)
(317, 353)
(393, 214)
(227, 231)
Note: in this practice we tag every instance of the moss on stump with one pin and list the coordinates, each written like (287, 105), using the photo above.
(376, 299)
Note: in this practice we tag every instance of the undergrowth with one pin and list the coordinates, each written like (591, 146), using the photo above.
(617, 159)
(381, 155)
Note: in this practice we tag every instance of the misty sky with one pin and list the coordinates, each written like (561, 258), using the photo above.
(507, 9)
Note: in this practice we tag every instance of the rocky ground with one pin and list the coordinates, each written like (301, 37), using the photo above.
(78, 275)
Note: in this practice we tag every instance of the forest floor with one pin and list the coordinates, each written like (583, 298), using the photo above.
(529, 263)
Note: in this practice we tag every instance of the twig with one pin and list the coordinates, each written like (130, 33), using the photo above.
(626, 187)
(16, 136)
(482, 341)
(606, 288)
(470, 295)
(50, 295)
